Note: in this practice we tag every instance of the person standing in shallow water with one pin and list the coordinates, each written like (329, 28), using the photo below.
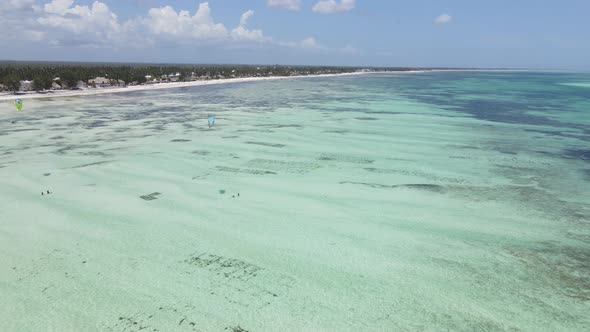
(211, 121)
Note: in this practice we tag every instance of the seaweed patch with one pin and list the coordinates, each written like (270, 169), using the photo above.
(92, 164)
(418, 186)
(297, 167)
(225, 267)
(243, 170)
(236, 281)
(150, 197)
(201, 152)
(344, 158)
(159, 319)
(272, 145)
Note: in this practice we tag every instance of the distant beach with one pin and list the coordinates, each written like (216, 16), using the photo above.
(157, 86)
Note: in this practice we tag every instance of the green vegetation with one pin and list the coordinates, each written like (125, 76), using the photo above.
(68, 75)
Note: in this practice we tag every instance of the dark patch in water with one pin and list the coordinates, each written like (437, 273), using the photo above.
(94, 153)
(567, 267)
(201, 152)
(56, 137)
(93, 164)
(46, 174)
(150, 197)
(273, 125)
(227, 267)
(560, 133)
(366, 118)
(255, 130)
(180, 140)
(19, 130)
(97, 123)
(230, 136)
(273, 145)
(510, 152)
(418, 186)
(461, 146)
(344, 158)
(582, 154)
(297, 167)
(336, 131)
(74, 147)
(243, 170)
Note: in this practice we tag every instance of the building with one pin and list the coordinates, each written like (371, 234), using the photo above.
(26, 85)
(55, 86)
(174, 77)
(104, 82)
(99, 82)
(81, 85)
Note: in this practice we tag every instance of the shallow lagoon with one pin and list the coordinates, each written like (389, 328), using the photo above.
(425, 201)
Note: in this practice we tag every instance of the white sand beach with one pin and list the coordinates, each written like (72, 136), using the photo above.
(155, 86)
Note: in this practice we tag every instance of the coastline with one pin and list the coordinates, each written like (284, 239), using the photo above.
(172, 85)
(158, 86)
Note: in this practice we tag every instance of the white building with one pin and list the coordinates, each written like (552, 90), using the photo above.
(103, 82)
(26, 85)
(99, 82)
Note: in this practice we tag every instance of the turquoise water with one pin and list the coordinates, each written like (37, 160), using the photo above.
(415, 202)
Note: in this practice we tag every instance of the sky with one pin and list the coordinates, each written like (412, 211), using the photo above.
(527, 34)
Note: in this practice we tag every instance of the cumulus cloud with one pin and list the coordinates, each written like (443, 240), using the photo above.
(443, 19)
(333, 6)
(285, 4)
(167, 22)
(59, 7)
(307, 43)
(21, 4)
(241, 33)
(98, 24)
(73, 23)
(244, 18)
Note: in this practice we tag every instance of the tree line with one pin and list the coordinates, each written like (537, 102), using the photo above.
(44, 74)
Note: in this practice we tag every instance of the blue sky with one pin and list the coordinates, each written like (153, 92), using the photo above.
(458, 33)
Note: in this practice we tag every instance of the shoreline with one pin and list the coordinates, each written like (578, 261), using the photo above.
(158, 86)
(172, 85)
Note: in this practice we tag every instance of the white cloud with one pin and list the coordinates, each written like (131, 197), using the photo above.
(333, 6)
(245, 17)
(59, 7)
(97, 24)
(307, 43)
(443, 19)
(66, 23)
(241, 33)
(21, 4)
(285, 4)
(166, 21)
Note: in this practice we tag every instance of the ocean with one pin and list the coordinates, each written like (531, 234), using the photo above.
(430, 201)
